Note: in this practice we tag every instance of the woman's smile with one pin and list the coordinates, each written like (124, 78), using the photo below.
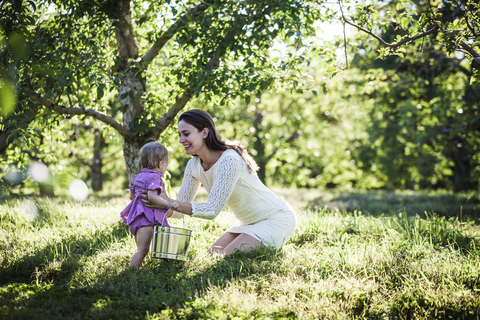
(190, 137)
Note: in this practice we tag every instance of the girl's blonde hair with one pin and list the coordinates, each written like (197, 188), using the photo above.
(151, 154)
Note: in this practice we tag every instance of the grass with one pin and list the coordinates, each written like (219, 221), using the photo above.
(70, 262)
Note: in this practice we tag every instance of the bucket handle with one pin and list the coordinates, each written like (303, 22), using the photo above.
(165, 216)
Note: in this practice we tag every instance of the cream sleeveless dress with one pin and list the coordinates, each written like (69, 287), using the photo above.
(261, 213)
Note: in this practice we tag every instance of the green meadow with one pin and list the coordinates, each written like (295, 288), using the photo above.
(357, 255)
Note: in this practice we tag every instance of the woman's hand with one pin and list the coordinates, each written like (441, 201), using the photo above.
(144, 199)
(167, 203)
(155, 201)
(149, 204)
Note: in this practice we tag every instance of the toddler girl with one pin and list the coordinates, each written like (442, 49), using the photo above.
(140, 219)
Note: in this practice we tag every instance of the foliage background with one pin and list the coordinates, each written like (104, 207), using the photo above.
(403, 117)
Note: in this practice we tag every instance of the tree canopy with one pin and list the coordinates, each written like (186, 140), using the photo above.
(152, 57)
(132, 66)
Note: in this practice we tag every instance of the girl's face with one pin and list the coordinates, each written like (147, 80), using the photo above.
(191, 139)
(162, 167)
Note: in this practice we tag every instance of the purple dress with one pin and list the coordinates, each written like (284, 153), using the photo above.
(136, 214)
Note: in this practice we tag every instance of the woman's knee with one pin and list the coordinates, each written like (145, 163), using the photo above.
(223, 242)
(244, 243)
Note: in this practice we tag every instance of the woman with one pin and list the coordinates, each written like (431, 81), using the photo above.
(228, 173)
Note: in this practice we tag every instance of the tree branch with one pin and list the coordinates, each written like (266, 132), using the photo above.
(465, 46)
(472, 30)
(212, 63)
(174, 110)
(344, 35)
(82, 111)
(399, 43)
(172, 30)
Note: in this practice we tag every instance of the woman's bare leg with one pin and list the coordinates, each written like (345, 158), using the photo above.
(243, 242)
(230, 242)
(142, 238)
(223, 242)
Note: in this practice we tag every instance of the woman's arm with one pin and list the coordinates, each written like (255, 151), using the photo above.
(159, 201)
(229, 171)
(190, 184)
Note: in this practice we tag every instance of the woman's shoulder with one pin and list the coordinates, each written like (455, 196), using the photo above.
(230, 156)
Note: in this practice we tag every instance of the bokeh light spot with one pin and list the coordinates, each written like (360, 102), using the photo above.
(78, 190)
(29, 210)
(13, 175)
(39, 172)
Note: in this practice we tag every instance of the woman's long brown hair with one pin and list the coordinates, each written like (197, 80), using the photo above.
(201, 120)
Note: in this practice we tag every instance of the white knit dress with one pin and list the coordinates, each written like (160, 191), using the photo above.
(261, 213)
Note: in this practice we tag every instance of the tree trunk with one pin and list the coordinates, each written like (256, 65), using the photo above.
(461, 170)
(259, 146)
(132, 84)
(97, 163)
(130, 152)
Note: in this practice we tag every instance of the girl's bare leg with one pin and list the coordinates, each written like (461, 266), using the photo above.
(223, 242)
(142, 238)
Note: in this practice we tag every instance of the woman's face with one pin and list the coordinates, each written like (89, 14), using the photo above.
(191, 139)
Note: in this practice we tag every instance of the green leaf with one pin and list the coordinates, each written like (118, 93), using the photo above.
(404, 22)
(331, 69)
(8, 98)
(474, 79)
(314, 93)
(99, 93)
(142, 20)
(62, 82)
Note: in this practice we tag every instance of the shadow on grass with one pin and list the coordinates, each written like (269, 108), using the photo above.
(70, 251)
(465, 206)
(168, 286)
